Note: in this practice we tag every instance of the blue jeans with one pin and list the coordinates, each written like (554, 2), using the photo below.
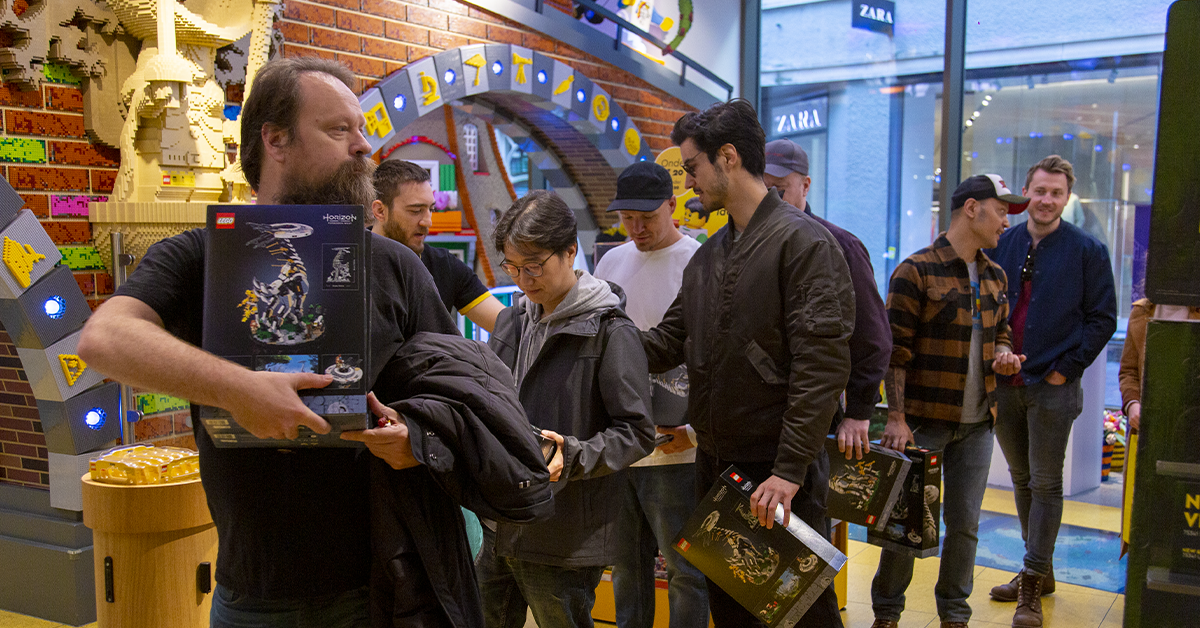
(966, 457)
(559, 597)
(658, 503)
(1033, 424)
(341, 610)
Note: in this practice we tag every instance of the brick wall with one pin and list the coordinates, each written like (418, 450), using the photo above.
(377, 37)
(46, 155)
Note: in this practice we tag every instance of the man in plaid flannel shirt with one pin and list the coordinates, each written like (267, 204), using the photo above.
(948, 310)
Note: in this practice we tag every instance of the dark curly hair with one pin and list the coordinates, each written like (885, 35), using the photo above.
(734, 122)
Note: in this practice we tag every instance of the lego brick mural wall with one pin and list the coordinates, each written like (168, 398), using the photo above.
(46, 155)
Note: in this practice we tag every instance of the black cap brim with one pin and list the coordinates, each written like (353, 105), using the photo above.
(635, 205)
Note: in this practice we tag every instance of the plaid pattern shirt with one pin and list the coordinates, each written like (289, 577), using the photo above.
(929, 308)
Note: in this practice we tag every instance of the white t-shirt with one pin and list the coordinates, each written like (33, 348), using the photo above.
(651, 281)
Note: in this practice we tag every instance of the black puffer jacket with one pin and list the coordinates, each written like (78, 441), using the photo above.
(588, 383)
(477, 450)
(763, 323)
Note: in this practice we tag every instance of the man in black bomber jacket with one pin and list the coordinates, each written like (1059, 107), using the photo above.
(763, 321)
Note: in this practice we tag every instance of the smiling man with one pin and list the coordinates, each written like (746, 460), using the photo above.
(763, 322)
(403, 211)
(1064, 312)
(949, 315)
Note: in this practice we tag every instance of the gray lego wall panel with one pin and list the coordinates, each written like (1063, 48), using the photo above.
(52, 582)
(22, 232)
(45, 370)
(10, 203)
(449, 66)
(28, 321)
(66, 489)
(64, 425)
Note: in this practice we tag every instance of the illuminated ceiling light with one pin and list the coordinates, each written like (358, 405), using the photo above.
(986, 103)
(94, 418)
(975, 114)
(450, 76)
(55, 307)
(542, 77)
(970, 122)
(399, 102)
(497, 68)
(988, 98)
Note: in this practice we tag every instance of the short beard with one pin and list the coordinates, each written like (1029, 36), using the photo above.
(393, 231)
(350, 184)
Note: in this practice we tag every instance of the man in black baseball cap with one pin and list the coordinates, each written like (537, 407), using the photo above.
(658, 500)
(646, 202)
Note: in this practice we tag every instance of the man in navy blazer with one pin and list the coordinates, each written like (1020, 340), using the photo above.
(1063, 312)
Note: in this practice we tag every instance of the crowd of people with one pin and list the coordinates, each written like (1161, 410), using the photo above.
(650, 376)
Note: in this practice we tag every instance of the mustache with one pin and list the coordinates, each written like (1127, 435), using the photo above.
(350, 184)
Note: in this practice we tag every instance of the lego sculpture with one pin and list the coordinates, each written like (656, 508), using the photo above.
(174, 136)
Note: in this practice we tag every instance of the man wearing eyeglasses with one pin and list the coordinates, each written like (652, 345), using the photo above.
(763, 321)
(1064, 312)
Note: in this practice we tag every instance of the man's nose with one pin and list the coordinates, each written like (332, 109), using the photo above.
(359, 145)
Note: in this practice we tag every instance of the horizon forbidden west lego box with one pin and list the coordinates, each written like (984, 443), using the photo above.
(914, 525)
(286, 290)
(775, 574)
(864, 491)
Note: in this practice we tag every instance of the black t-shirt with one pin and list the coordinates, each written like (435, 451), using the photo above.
(457, 284)
(290, 523)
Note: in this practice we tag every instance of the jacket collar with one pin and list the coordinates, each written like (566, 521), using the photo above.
(947, 255)
(767, 207)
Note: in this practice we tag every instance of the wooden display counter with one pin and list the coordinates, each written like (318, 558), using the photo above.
(150, 542)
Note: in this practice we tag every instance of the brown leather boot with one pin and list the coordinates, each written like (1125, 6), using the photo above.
(1008, 592)
(885, 623)
(1029, 601)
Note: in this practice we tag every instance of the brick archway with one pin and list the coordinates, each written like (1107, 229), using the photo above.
(590, 135)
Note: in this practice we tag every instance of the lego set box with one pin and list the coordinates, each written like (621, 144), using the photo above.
(864, 491)
(775, 574)
(286, 290)
(915, 521)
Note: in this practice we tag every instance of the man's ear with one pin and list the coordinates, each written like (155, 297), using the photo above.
(378, 211)
(275, 141)
(732, 158)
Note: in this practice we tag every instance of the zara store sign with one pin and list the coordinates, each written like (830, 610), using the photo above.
(805, 116)
(874, 15)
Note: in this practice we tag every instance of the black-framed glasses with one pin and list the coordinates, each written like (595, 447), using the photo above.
(1027, 268)
(531, 270)
(689, 167)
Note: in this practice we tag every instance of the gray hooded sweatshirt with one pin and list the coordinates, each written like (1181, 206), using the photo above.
(586, 296)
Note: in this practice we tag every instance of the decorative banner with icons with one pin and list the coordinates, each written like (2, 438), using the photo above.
(695, 222)
(424, 85)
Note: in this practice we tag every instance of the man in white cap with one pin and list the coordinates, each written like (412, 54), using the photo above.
(948, 309)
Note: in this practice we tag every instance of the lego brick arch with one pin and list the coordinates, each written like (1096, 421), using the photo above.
(43, 311)
(585, 133)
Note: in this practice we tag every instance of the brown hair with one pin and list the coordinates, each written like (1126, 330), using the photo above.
(275, 99)
(1053, 165)
(392, 174)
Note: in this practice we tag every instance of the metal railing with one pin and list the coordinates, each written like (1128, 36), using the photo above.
(624, 25)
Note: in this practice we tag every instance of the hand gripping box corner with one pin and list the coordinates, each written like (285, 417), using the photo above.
(864, 491)
(286, 290)
(915, 522)
(775, 574)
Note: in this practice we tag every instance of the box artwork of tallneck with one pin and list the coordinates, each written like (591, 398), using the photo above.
(286, 290)
(864, 491)
(775, 574)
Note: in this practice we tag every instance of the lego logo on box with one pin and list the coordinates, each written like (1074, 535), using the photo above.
(224, 221)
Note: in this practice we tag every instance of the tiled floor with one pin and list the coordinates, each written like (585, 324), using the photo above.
(1070, 607)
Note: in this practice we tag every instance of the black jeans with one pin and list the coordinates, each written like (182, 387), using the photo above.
(808, 504)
